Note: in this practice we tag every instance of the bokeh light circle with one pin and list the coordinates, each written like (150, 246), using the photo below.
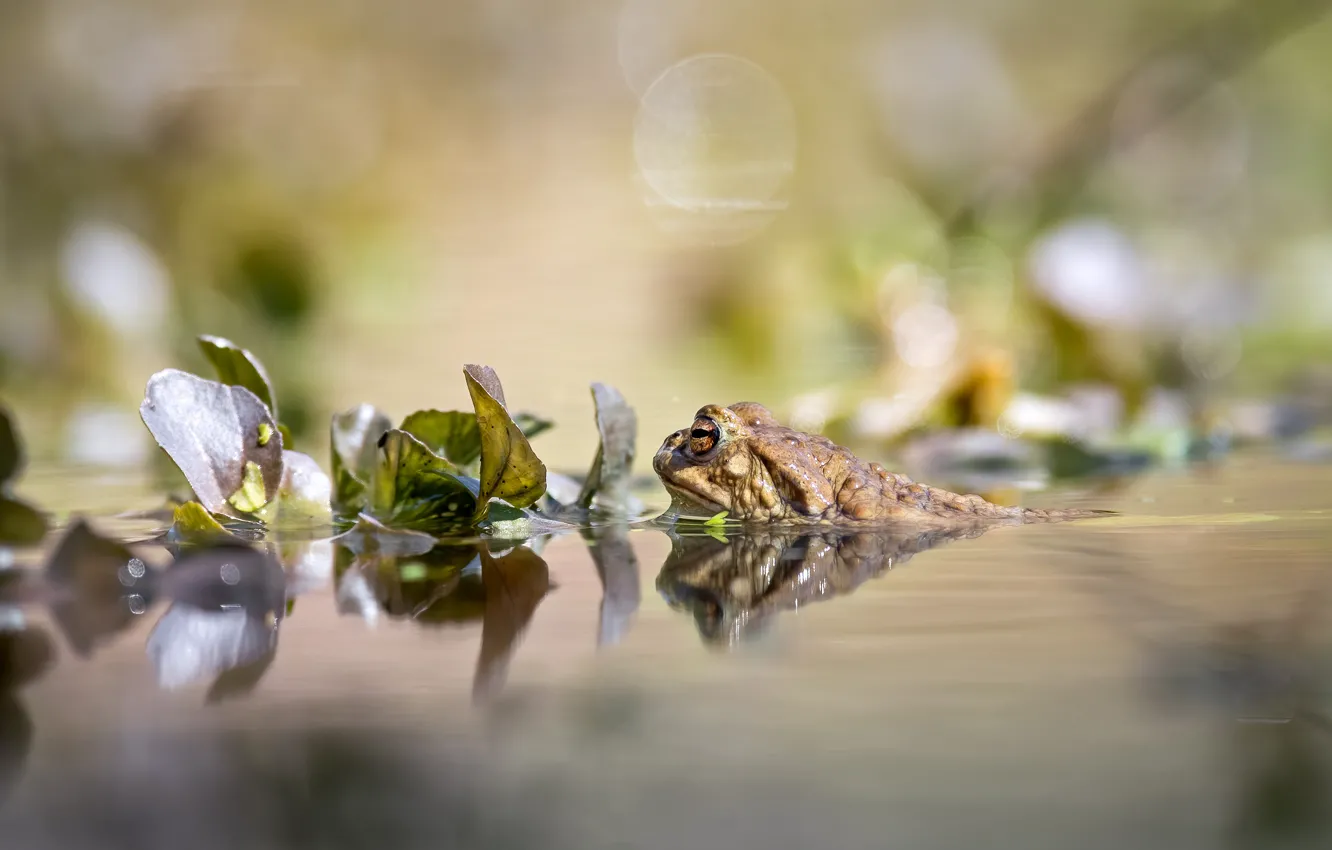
(716, 133)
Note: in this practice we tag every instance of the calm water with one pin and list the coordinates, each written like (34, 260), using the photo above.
(1160, 679)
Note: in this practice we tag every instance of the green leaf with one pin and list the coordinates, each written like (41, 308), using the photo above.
(193, 523)
(717, 518)
(505, 522)
(211, 431)
(239, 368)
(250, 496)
(453, 434)
(20, 523)
(416, 488)
(608, 481)
(510, 470)
(354, 435)
(11, 449)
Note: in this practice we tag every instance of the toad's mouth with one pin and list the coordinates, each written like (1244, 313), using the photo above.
(688, 503)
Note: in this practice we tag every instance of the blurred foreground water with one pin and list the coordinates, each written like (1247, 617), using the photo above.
(1158, 679)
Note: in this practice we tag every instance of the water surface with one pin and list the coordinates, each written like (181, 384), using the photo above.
(1160, 679)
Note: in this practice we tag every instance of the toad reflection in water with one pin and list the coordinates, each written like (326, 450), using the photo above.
(733, 586)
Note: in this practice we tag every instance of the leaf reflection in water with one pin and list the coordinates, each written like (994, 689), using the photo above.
(453, 583)
(26, 654)
(223, 623)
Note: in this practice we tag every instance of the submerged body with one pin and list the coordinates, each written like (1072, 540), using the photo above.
(741, 460)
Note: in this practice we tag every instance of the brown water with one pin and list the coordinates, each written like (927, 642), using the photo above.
(1161, 679)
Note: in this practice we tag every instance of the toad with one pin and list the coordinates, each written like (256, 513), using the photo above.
(741, 460)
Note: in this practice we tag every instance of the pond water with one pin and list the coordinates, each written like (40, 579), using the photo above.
(1158, 679)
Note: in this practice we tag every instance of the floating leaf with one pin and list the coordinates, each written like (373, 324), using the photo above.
(211, 431)
(370, 537)
(239, 368)
(20, 523)
(515, 584)
(11, 450)
(453, 434)
(505, 522)
(355, 438)
(417, 488)
(608, 481)
(717, 518)
(510, 470)
(192, 523)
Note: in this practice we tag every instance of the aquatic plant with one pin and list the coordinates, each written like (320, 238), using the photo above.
(441, 472)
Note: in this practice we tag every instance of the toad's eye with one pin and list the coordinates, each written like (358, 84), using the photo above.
(702, 437)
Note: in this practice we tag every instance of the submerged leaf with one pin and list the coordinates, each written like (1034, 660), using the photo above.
(239, 368)
(211, 431)
(608, 481)
(453, 434)
(355, 438)
(20, 523)
(415, 487)
(11, 450)
(510, 470)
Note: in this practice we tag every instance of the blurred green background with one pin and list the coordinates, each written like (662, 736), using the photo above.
(866, 215)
